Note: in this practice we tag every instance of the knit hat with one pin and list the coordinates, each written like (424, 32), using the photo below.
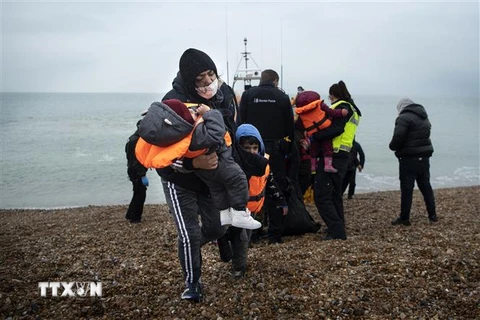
(181, 109)
(192, 63)
(306, 97)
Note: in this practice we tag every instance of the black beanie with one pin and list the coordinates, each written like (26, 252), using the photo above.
(192, 63)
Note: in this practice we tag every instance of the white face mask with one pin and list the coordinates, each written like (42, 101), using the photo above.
(209, 91)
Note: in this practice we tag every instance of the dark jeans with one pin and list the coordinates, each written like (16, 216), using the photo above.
(411, 170)
(349, 180)
(135, 209)
(328, 197)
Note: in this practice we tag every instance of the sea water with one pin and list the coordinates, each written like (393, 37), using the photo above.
(68, 149)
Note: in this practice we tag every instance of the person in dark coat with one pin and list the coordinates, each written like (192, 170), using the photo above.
(187, 196)
(354, 163)
(137, 174)
(413, 148)
(268, 108)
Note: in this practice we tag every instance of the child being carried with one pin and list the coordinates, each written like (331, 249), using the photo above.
(316, 115)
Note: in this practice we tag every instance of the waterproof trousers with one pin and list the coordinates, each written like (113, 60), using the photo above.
(328, 196)
(411, 170)
(135, 209)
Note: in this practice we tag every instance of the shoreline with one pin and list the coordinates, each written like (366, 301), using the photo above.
(357, 193)
(381, 271)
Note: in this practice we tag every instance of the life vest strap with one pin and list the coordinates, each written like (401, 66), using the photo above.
(258, 197)
(316, 124)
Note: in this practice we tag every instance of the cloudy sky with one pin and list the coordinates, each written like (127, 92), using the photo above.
(427, 48)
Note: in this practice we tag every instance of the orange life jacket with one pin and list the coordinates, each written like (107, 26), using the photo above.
(256, 191)
(152, 156)
(313, 117)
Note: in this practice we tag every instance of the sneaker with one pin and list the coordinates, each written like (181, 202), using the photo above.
(399, 220)
(225, 217)
(433, 218)
(193, 292)
(224, 249)
(243, 219)
(350, 197)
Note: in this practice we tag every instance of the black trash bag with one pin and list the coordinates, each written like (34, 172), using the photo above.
(298, 220)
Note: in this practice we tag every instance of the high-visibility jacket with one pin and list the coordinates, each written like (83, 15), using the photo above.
(256, 190)
(153, 156)
(344, 141)
(313, 117)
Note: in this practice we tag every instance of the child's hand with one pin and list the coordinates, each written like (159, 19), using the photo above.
(305, 144)
(344, 112)
(202, 108)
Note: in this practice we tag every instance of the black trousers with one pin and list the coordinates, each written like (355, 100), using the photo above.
(328, 196)
(411, 170)
(349, 180)
(276, 220)
(278, 166)
(135, 209)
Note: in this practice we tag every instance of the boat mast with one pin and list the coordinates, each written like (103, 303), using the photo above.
(246, 75)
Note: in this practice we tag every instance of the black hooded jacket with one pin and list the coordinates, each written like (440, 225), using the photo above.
(269, 110)
(411, 136)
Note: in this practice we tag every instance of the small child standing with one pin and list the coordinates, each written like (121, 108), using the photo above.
(316, 115)
(253, 160)
(183, 131)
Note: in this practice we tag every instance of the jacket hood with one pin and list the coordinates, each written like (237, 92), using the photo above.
(162, 126)
(403, 103)
(246, 130)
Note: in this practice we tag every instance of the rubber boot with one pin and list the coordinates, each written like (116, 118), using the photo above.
(327, 167)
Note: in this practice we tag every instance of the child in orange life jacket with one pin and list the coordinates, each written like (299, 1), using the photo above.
(316, 115)
(254, 162)
(184, 131)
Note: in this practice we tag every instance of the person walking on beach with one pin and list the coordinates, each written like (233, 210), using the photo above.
(354, 163)
(268, 109)
(187, 196)
(413, 148)
(137, 175)
(328, 185)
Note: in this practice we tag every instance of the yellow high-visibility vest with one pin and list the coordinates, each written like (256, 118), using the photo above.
(344, 141)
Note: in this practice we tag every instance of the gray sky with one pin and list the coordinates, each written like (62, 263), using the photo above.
(422, 48)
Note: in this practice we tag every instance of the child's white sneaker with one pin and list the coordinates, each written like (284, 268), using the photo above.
(243, 219)
(225, 217)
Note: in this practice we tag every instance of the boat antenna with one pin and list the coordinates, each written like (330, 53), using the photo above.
(226, 42)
